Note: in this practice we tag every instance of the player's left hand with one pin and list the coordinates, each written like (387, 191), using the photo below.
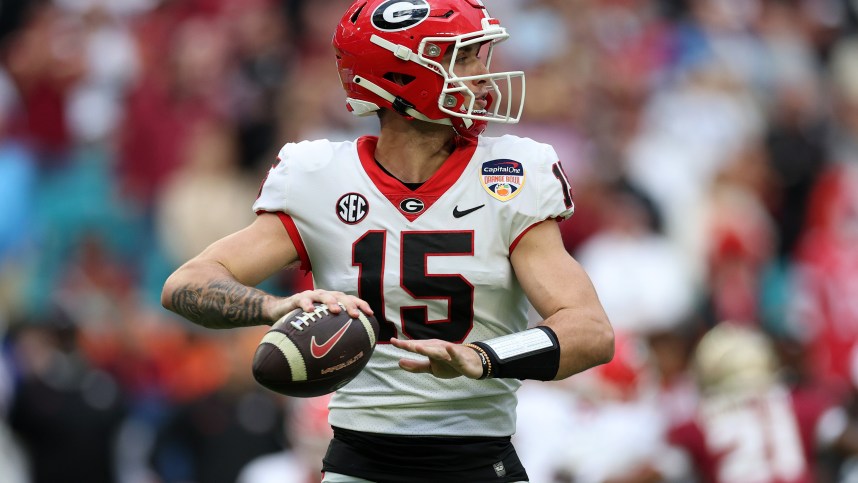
(446, 360)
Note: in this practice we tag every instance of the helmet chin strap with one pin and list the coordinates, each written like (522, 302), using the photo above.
(400, 105)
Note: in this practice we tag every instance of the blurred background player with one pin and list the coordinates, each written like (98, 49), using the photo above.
(751, 426)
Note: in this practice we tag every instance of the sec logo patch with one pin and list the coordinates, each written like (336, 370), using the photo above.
(502, 178)
(352, 208)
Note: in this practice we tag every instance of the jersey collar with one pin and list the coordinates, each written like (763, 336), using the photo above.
(432, 189)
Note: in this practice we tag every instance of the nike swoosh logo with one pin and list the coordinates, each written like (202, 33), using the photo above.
(459, 214)
(321, 350)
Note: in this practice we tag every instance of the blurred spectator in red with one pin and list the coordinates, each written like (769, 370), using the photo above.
(740, 239)
(825, 312)
(44, 61)
(824, 315)
(109, 52)
(185, 86)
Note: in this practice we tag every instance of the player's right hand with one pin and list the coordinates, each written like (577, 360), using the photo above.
(444, 360)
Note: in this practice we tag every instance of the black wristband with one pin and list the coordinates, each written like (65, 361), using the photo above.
(524, 355)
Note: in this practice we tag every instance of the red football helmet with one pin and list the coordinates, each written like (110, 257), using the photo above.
(390, 54)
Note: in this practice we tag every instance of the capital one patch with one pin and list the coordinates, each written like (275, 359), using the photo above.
(502, 178)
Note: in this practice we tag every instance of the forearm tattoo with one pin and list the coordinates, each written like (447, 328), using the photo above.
(221, 304)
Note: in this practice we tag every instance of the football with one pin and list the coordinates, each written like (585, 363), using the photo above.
(308, 354)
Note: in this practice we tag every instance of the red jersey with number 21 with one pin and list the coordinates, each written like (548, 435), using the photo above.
(761, 437)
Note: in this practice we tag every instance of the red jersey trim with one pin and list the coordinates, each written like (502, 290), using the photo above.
(430, 191)
(520, 235)
(295, 236)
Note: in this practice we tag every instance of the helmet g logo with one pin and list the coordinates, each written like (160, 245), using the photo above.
(394, 15)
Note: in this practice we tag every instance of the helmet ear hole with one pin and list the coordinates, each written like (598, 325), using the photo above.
(399, 78)
(355, 15)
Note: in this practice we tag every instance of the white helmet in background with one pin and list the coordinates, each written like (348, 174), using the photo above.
(735, 358)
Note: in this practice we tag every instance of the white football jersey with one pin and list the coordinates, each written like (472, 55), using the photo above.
(432, 263)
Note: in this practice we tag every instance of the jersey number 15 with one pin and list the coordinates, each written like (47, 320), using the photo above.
(368, 254)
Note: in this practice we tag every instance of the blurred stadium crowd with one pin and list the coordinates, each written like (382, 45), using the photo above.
(713, 149)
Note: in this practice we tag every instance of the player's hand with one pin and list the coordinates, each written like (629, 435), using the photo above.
(445, 359)
(334, 300)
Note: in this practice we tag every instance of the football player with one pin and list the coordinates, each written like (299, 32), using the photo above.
(444, 235)
(750, 426)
